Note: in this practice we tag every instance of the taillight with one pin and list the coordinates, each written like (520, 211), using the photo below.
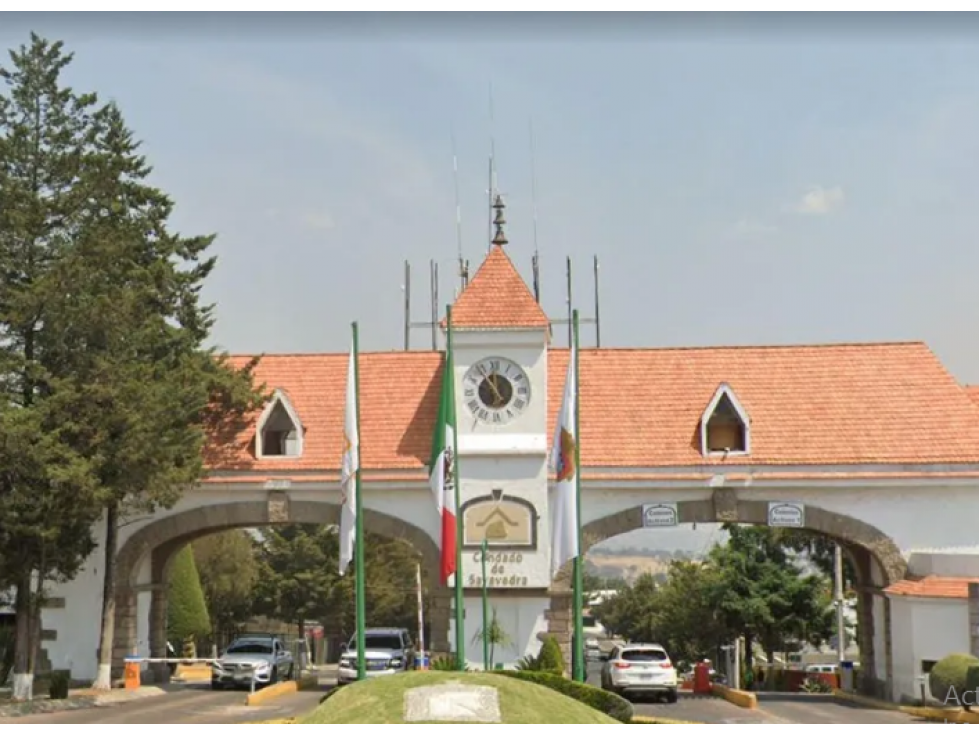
(619, 664)
(666, 665)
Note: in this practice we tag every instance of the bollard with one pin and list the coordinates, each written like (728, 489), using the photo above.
(131, 674)
(253, 683)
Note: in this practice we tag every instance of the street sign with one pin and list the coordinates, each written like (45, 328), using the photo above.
(786, 515)
(662, 515)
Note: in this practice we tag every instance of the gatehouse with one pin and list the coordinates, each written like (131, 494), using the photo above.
(874, 445)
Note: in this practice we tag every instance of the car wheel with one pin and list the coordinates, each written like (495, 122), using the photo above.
(274, 677)
(671, 696)
(215, 686)
(292, 672)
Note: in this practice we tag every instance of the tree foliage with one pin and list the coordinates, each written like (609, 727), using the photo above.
(299, 579)
(187, 617)
(766, 594)
(102, 330)
(228, 569)
(752, 586)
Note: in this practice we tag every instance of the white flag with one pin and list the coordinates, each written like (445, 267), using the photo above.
(348, 469)
(563, 503)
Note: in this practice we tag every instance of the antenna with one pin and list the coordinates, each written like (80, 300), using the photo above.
(463, 264)
(491, 191)
(569, 302)
(533, 196)
(433, 325)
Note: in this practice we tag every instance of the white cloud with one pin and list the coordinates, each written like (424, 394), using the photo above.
(819, 200)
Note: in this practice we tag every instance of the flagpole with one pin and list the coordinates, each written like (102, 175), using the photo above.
(460, 612)
(578, 651)
(360, 604)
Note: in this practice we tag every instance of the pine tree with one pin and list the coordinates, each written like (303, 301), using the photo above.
(107, 333)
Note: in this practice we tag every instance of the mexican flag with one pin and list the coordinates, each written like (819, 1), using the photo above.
(442, 470)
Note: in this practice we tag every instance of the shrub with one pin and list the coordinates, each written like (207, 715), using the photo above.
(608, 703)
(445, 663)
(528, 662)
(815, 684)
(550, 658)
(971, 682)
(949, 678)
(58, 687)
(187, 617)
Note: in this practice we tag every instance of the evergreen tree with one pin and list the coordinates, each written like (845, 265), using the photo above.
(228, 570)
(105, 312)
(187, 617)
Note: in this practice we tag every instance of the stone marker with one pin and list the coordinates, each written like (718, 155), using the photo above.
(453, 702)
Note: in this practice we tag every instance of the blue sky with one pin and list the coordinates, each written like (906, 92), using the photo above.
(742, 182)
(802, 181)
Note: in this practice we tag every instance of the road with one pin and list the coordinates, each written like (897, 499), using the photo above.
(773, 708)
(191, 703)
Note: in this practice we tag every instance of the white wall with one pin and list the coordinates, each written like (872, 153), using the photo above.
(521, 618)
(925, 629)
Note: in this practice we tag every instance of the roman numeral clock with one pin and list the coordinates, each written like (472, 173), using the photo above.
(496, 390)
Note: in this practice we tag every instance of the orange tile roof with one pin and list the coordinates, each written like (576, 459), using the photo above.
(888, 404)
(497, 297)
(935, 587)
(973, 392)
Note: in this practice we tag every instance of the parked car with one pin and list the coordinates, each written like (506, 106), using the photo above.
(266, 659)
(593, 650)
(640, 668)
(387, 650)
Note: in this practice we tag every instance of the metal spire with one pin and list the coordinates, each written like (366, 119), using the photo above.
(499, 238)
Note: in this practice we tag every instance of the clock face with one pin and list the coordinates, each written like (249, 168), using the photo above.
(496, 390)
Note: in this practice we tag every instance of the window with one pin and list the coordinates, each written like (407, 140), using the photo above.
(724, 426)
(927, 665)
(646, 655)
(250, 648)
(378, 642)
(280, 434)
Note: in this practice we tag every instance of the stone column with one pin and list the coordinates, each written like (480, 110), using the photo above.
(974, 619)
(439, 615)
(158, 632)
(559, 623)
(124, 639)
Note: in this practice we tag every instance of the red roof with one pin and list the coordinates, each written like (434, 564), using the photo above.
(497, 298)
(934, 587)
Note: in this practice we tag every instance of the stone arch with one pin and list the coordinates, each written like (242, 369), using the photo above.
(854, 534)
(864, 544)
(161, 539)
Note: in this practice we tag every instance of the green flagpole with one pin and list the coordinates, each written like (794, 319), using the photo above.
(486, 639)
(359, 523)
(578, 651)
(459, 597)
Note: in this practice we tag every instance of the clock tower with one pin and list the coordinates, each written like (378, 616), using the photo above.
(500, 338)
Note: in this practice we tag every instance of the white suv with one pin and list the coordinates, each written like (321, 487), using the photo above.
(387, 650)
(640, 668)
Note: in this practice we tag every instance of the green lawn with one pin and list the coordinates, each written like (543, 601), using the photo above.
(381, 701)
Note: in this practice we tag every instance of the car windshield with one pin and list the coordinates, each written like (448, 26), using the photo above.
(250, 648)
(644, 655)
(377, 642)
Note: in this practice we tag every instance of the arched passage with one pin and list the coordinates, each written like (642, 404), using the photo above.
(160, 540)
(866, 546)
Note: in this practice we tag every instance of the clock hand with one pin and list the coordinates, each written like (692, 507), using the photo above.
(492, 383)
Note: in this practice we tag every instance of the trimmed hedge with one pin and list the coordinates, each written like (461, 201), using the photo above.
(608, 703)
(948, 680)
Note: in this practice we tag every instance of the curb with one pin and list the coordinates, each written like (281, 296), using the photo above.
(306, 683)
(946, 716)
(744, 699)
(658, 720)
(873, 703)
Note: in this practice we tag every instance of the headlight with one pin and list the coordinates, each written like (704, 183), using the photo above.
(395, 662)
(262, 666)
(217, 665)
(344, 663)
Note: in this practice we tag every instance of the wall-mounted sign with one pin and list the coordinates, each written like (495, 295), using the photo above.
(503, 521)
(662, 515)
(278, 483)
(786, 515)
(503, 570)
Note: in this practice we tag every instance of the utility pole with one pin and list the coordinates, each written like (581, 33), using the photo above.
(840, 617)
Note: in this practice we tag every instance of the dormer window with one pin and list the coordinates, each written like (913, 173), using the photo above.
(724, 426)
(280, 433)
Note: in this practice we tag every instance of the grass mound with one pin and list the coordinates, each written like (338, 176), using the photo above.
(381, 701)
